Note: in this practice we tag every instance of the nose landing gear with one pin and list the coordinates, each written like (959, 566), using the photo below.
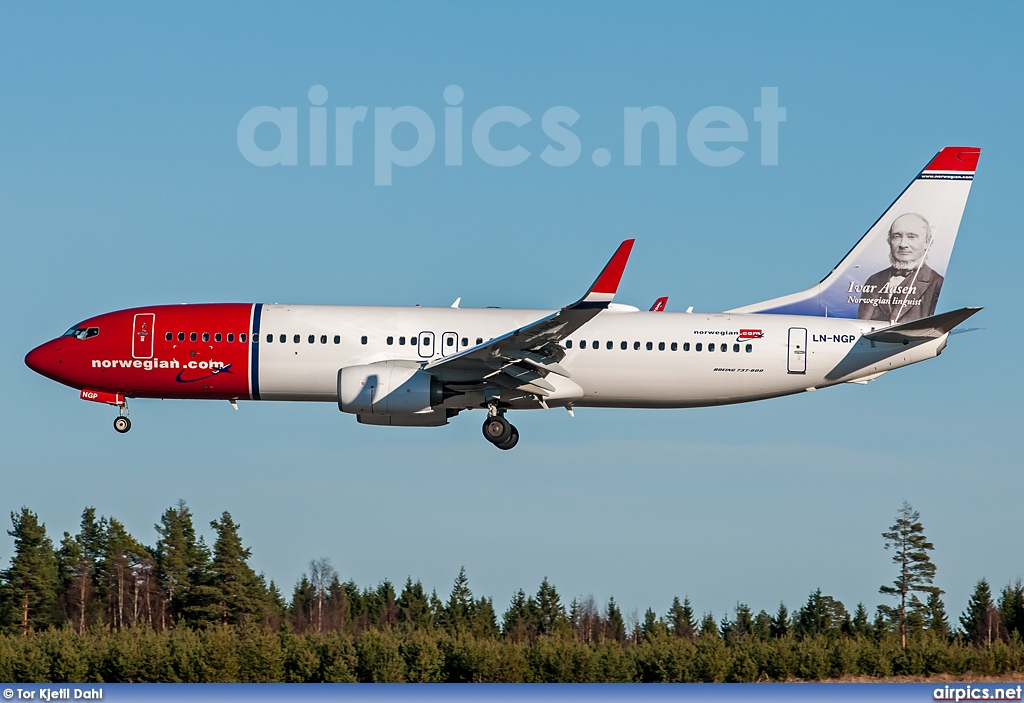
(121, 423)
(499, 431)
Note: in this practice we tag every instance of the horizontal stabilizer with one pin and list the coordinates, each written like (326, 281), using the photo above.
(919, 330)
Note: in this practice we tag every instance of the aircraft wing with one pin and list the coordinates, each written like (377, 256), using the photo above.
(522, 358)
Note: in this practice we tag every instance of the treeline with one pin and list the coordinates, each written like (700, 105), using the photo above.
(101, 606)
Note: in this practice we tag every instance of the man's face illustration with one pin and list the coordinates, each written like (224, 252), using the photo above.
(908, 240)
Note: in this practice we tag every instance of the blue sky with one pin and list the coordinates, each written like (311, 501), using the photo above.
(122, 184)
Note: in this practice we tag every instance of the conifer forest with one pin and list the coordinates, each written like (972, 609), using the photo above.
(102, 606)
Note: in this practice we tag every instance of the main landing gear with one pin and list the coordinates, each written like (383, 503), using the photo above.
(121, 423)
(499, 431)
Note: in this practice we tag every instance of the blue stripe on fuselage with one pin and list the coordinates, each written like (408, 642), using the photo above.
(254, 358)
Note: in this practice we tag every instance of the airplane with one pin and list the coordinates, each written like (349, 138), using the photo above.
(421, 366)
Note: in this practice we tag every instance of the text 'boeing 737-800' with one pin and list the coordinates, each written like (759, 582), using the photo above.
(420, 367)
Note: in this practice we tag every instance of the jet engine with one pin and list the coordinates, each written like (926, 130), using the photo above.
(387, 388)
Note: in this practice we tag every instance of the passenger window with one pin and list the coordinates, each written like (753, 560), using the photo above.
(465, 341)
(283, 338)
(169, 336)
(750, 348)
(675, 347)
(650, 346)
(636, 345)
(699, 347)
(609, 344)
(181, 336)
(311, 339)
(568, 344)
(735, 347)
(725, 347)
(323, 339)
(686, 346)
(217, 337)
(270, 338)
(242, 338)
(451, 341)
(479, 341)
(193, 337)
(206, 336)
(583, 344)
(231, 337)
(401, 341)
(623, 346)
(391, 340)
(363, 339)
(295, 339)
(661, 346)
(337, 339)
(711, 347)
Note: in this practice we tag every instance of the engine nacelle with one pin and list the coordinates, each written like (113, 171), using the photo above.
(387, 388)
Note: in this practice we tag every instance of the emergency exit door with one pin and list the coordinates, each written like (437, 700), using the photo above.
(797, 350)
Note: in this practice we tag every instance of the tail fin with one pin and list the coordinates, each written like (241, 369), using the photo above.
(895, 272)
(659, 304)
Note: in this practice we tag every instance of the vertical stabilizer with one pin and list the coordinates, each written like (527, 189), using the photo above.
(895, 272)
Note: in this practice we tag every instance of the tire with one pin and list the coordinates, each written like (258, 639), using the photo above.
(512, 441)
(122, 424)
(497, 429)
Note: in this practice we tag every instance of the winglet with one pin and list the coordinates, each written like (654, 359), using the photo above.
(659, 304)
(607, 282)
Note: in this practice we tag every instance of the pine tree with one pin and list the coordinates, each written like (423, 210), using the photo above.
(861, 626)
(386, 613)
(780, 621)
(275, 609)
(76, 588)
(549, 615)
(413, 606)
(708, 627)
(181, 561)
(29, 593)
(236, 591)
(680, 617)
(906, 538)
(822, 615)
(514, 621)
(459, 609)
(1011, 608)
(981, 619)
(762, 626)
(936, 620)
(123, 563)
(615, 627)
(741, 625)
(484, 622)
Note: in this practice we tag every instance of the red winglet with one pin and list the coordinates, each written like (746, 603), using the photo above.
(659, 304)
(955, 158)
(608, 281)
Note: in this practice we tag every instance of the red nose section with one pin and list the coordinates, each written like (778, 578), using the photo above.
(46, 360)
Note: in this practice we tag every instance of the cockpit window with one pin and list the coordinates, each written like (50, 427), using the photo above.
(82, 332)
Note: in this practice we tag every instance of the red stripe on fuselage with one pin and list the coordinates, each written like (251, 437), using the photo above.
(115, 361)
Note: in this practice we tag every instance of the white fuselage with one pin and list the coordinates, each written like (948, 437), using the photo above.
(666, 362)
